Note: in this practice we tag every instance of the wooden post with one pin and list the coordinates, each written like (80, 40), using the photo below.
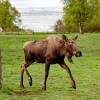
(0, 70)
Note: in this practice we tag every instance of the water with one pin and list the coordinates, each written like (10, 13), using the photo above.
(40, 19)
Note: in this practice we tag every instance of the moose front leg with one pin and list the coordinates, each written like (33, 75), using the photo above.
(63, 65)
(69, 57)
(47, 66)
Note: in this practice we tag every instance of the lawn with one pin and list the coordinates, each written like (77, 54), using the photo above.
(85, 70)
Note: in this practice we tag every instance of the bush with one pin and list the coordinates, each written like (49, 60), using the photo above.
(92, 28)
(88, 27)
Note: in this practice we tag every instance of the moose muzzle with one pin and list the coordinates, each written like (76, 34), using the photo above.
(78, 54)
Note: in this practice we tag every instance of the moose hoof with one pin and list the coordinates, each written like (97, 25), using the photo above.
(22, 86)
(44, 88)
(30, 81)
(74, 87)
(73, 84)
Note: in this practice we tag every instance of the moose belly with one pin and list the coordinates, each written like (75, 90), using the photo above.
(39, 58)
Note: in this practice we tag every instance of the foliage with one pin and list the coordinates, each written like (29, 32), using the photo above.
(85, 70)
(9, 16)
(0, 71)
(59, 26)
(81, 12)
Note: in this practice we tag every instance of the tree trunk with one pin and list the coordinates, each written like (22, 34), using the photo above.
(0, 71)
(81, 28)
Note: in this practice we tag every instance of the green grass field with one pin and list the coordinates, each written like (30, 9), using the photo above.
(85, 70)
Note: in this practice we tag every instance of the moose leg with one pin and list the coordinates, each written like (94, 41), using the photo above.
(23, 68)
(47, 66)
(28, 63)
(22, 73)
(29, 77)
(63, 65)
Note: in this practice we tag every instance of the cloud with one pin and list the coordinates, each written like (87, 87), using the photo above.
(36, 3)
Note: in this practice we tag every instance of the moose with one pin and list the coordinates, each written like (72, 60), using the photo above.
(51, 50)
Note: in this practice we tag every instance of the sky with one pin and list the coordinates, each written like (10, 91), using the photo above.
(36, 3)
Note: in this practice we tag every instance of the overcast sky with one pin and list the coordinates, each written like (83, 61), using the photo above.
(36, 3)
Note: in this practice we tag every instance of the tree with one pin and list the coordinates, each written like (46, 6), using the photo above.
(79, 12)
(0, 71)
(59, 26)
(9, 16)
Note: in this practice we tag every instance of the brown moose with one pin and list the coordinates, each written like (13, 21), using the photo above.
(49, 51)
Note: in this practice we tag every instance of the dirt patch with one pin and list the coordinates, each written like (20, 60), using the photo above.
(27, 93)
(24, 93)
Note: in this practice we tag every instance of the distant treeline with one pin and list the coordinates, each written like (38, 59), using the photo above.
(79, 16)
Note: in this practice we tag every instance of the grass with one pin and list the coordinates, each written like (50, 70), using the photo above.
(85, 70)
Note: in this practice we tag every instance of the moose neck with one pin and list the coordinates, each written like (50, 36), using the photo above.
(62, 48)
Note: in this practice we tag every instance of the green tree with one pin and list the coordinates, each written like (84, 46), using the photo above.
(79, 12)
(0, 71)
(59, 26)
(9, 16)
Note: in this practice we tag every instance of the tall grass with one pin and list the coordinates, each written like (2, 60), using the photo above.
(85, 70)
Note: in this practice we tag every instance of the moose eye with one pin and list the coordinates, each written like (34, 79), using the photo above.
(70, 42)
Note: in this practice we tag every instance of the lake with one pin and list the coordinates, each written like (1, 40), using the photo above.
(40, 19)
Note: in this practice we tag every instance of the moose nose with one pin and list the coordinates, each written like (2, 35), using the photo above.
(78, 54)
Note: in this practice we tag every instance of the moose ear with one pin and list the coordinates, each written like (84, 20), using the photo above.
(64, 37)
(75, 37)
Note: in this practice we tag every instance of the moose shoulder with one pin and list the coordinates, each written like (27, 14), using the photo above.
(49, 51)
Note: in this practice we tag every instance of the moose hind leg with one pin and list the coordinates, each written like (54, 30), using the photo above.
(28, 63)
(29, 77)
(24, 68)
(21, 79)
